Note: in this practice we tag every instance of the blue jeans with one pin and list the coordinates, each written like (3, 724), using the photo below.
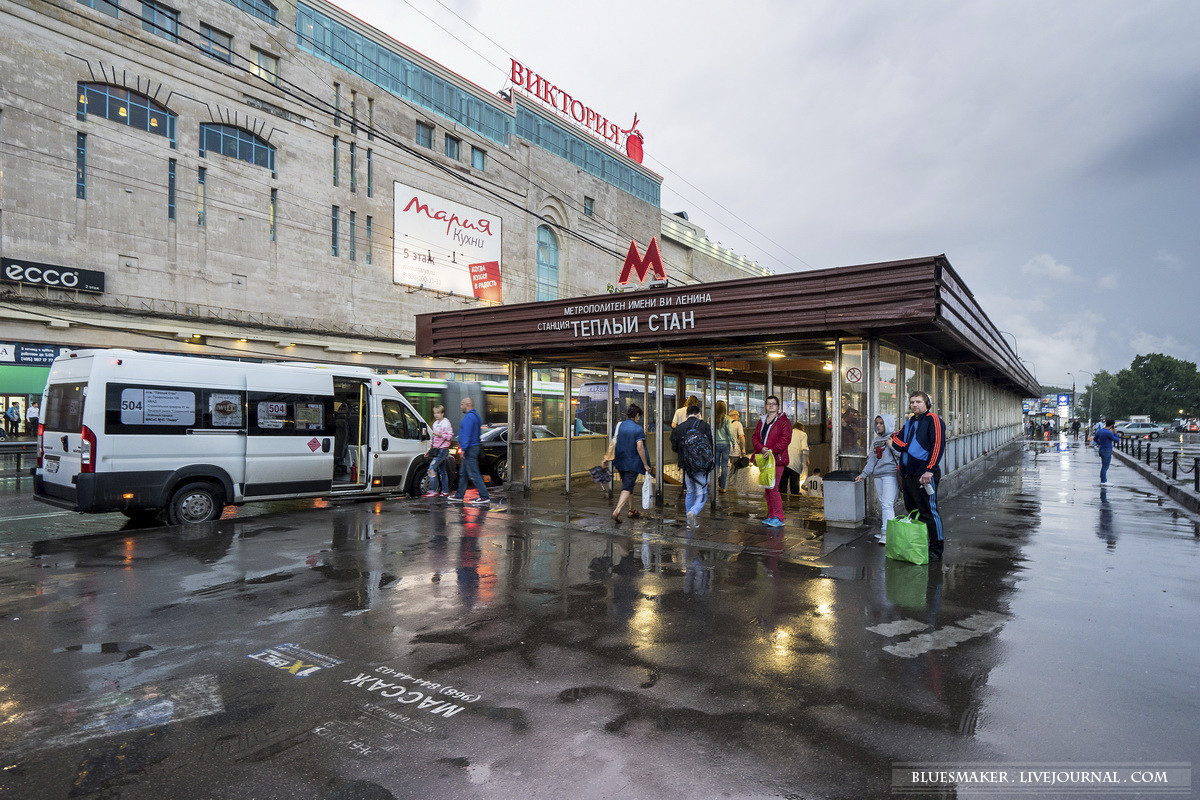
(439, 473)
(722, 464)
(697, 492)
(1105, 460)
(470, 471)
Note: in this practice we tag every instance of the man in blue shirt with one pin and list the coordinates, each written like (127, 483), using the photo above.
(1106, 437)
(469, 443)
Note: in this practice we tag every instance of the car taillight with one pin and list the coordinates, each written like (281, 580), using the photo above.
(41, 449)
(87, 451)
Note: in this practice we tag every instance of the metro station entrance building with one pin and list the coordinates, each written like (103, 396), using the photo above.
(837, 346)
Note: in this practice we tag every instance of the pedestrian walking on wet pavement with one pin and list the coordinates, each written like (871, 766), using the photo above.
(723, 433)
(921, 444)
(773, 433)
(1106, 437)
(630, 459)
(882, 465)
(439, 473)
(692, 440)
(469, 443)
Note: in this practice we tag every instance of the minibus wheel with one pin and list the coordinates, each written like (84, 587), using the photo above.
(194, 503)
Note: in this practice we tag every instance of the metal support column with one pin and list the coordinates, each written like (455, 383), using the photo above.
(770, 383)
(568, 425)
(660, 428)
(612, 400)
(712, 423)
(527, 421)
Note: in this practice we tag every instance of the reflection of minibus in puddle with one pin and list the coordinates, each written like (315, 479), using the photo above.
(148, 434)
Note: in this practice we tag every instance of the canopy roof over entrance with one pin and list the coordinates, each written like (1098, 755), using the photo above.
(920, 305)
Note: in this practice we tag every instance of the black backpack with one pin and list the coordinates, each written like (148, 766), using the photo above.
(697, 455)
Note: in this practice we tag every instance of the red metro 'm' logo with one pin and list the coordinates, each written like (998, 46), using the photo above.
(635, 263)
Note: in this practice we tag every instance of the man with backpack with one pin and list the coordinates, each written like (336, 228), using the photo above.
(692, 440)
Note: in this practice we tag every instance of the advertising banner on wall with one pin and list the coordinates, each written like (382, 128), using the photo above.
(445, 246)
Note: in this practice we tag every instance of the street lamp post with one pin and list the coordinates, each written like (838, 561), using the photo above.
(1091, 392)
(1072, 374)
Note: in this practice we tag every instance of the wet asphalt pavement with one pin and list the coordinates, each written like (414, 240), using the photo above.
(410, 649)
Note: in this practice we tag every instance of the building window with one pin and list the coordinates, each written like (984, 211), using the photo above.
(160, 20)
(335, 161)
(425, 135)
(370, 236)
(337, 105)
(371, 119)
(453, 147)
(258, 8)
(125, 107)
(106, 6)
(589, 206)
(478, 158)
(353, 233)
(201, 197)
(273, 211)
(370, 172)
(171, 189)
(236, 143)
(353, 167)
(81, 166)
(216, 43)
(266, 66)
(547, 264)
(334, 246)
(353, 112)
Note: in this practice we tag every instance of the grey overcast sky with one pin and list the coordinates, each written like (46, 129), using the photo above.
(1050, 149)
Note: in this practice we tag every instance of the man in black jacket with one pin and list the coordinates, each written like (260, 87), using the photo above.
(695, 459)
(921, 444)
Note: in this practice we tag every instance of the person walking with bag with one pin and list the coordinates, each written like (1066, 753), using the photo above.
(693, 441)
(439, 473)
(882, 465)
(772, 435)
(723, 438)
(630, 459)
(921, 444)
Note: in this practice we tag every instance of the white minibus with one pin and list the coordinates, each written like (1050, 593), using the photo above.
(149, 434)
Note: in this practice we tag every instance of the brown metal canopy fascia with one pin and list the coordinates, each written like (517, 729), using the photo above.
(921, 298)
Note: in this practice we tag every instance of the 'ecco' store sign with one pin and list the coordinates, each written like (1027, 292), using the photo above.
(52, 275)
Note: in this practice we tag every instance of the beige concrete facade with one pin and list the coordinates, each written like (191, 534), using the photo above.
(230, 273)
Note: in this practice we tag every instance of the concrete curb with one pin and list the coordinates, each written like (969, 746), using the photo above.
(1179, 493)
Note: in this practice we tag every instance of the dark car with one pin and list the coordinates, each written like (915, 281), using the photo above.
(493, 452)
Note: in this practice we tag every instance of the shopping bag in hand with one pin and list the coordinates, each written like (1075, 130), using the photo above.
(766, 469)
(647, 491)
(601, 475)
(908, 539)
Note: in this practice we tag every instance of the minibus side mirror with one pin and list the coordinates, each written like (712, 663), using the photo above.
(424, 437)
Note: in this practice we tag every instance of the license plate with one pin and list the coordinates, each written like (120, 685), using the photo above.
(51, 465)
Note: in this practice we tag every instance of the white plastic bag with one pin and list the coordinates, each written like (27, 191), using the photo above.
(647, 491)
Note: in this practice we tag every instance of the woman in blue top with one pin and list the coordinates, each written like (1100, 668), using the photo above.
(630, 458)
(1106, 437)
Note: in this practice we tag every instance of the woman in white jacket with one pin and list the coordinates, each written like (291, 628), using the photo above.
(882, 465)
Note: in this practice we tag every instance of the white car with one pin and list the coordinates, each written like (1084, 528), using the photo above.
(1138, 430)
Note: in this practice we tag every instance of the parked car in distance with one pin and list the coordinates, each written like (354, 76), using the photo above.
(493, 452)
(1136, 430)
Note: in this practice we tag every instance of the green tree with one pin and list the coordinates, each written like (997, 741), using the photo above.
(1155, 384)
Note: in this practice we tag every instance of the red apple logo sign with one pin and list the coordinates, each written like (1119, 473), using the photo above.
(634, 141)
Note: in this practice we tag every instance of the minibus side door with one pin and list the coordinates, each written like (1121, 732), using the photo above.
(396, 437)
(289, 433)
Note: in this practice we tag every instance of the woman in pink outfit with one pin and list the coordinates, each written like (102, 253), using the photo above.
(774, 433)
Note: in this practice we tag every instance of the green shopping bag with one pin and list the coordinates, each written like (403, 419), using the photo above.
(906, 584)
(908, 539)
(765, 461)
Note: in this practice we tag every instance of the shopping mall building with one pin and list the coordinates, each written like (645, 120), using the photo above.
(240, 178)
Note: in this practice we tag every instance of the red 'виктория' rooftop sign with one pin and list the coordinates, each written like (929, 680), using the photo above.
(593, 121)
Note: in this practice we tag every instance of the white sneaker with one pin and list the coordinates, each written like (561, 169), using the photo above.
(881, 538)
(691, 523)
(479, 501)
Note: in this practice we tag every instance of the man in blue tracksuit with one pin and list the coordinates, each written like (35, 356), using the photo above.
(1106, 437)
(469, 443)
(921, 444)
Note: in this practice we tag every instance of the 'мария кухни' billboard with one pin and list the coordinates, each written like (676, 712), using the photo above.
(445, 246)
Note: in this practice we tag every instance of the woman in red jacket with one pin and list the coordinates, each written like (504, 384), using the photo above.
(774, 433)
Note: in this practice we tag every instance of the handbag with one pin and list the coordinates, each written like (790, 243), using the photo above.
(766, 469)
(908, 539)
(741, 462)
(432, 454)
(648, 491)
(611, 452)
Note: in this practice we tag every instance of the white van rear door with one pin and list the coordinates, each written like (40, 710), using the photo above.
(289, 433)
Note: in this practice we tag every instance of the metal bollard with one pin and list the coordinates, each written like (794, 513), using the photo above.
(1159, 459)
(1174, 466)
(1147, 454)
(1196, 473)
